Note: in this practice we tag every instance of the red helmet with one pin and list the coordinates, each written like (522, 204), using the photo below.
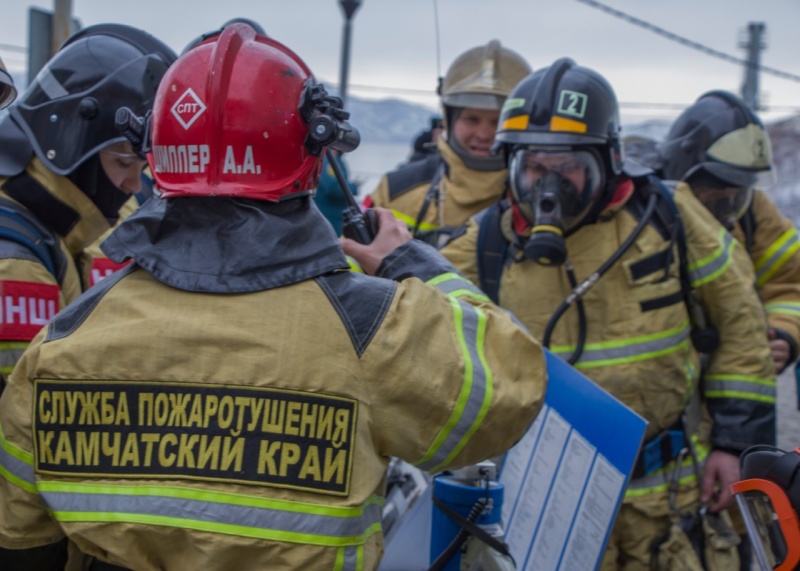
(226, 121)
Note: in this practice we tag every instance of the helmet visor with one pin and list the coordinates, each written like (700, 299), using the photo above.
(543, 180)
(735, 176)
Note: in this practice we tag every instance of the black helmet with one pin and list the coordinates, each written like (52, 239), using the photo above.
(720, 147)
(721, 135)
(559, 131)
(563, 105)
(67, 113)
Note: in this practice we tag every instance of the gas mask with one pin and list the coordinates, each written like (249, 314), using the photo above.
(727, 201)
(555, 190)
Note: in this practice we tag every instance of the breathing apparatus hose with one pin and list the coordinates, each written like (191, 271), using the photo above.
(578, 291)
(460, 538)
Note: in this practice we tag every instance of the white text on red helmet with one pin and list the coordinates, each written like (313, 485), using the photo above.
(181, 158)
(247, 166)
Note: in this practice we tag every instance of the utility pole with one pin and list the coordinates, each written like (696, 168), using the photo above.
(349, 8)
(753, 44)
(62, 24)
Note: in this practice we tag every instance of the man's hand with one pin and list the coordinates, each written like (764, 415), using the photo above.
(392, 233)
(780, 350)
(722, 469)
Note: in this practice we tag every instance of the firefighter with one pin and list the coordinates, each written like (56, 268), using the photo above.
(232, 397)
(622, 278)
(65, 170)
(7, 91)
(721, 149)
(438, 194)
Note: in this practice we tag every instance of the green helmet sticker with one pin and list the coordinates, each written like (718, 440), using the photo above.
(572, 103)
(515, 103)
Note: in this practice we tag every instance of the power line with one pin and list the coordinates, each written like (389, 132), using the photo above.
(687, 42)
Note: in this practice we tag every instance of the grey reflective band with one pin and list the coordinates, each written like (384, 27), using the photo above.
(659, 481)
(350, 558)
(456, 285)
(737, 386)
(234, 514)
(706, 270)
(476, 390)
(629, 350)
(50, 84)
(16, 466)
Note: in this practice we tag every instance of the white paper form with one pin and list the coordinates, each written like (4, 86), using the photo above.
(536, 485)
(516, 464)
(597, 509)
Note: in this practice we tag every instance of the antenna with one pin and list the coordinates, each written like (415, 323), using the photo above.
(438, 53)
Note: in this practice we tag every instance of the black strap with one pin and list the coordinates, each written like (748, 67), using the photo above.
(748, 222)
(54, 213)
(492, 250)
(473, 529)
(98, 565)
(430, 196)
(18, 226)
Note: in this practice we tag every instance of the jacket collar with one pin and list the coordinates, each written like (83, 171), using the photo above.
(468, 186)
(227, 245)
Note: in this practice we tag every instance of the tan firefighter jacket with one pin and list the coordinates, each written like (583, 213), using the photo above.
(638, 344)
(454, 192)
(53, 220)
(774, 247)
(231, 399)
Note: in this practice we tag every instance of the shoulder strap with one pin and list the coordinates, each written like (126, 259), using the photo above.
(18, 227)
(705, 337)
(492, 250)
(748, 222)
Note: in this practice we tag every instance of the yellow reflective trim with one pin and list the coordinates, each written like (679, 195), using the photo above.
(776, 245)
(568, 125)
(518, 123)
(616, 343)
(471, 294)
(411, 222)
(339, 563)
(17, 482)
(746, 378)
(180, 492)
(224, 528)
(487, 396)
(354, 266)
(466, 387)
(633, 358)
(780, 261)
(16, 345)
(741, 395)
(702, 454)
(718, 253)
(15, 450)
(22, 456)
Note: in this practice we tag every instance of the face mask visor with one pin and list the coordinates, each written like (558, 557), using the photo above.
(560, 183)
(727, 204)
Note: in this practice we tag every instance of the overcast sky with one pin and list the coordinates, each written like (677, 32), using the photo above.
(394, 41)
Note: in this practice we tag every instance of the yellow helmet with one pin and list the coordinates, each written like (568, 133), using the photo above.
(482, 77)
(7, 91)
